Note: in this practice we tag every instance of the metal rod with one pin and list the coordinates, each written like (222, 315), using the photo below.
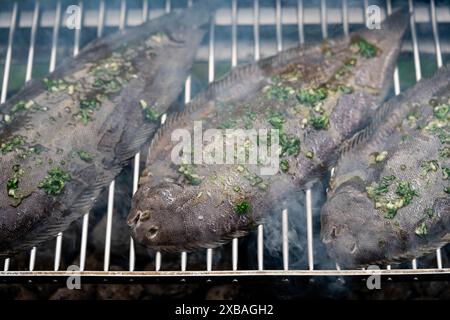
(136, 170)
(85, 226)
(365, 6)
(439, 64)
(417, 66)
(345, 17)
(32, 259)
(235, 242)
(224, 273)
(123, 15)
(12, 29)
(260, 245)
(323, 18)
(415, 43)
(211, 62)
(233, 33)
(110, 209)
(55, 37)
(58, 251)
(101, 18)
(209, 256)
(34, 26)
(76, 46)
(278, 26)
(109, 226)
(436, 34)
(396, 74)
(211, 74)
(6, 265)
(144, 10)
(187, 99)
(256, 21)
(285, 232)
(84, 233)
(309, 230)
(183, 261)
(300, 22)
(158, 261)
(168, 6)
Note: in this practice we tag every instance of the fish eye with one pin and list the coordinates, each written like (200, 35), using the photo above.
(144, 215)
(152, 232)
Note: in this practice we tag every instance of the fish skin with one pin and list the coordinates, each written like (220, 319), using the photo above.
(164, 50)
(170, 215)
(357, 234)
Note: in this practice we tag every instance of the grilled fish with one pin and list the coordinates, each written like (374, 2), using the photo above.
(389, 200)
(65, 138)
(315, 96)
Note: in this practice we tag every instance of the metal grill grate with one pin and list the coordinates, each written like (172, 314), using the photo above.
(253, 14)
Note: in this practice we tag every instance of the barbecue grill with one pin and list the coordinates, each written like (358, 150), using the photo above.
(286, 23)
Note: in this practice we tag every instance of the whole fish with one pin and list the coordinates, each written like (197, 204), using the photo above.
(315, 96)
(389, 200)
(65, 138)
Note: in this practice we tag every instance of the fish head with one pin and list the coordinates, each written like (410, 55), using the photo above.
(349, 225)
(156, 219)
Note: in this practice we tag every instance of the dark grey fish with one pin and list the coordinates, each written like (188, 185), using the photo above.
(65, 138)
(316, 96)
(389, 200)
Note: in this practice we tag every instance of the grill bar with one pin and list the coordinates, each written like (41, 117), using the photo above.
(277, 16)
(12, 29)
(239, 273)
(260, 234)
(234, 62)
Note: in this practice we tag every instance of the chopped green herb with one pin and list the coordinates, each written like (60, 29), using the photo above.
(405, 191)
(279, 92)
(12, 185)
(55, 85)
(237, 189)
(284, 166)
(444, 152)
(276, 119)
(84, 115)
(312, 96)
(84, 155)
(429, 166)
(149, 113)
(422, 229)
(445, 173)
(380, 157)
(320, 122)
(189, 175)
(242, 208)
(345, 89)
(429, 212)
(377, 190)
(88, 104)
(19, 106)
(13, 144)
(441, 112)
(55, 181)
(364, 48)
(310, 155)
(447, 189)
(290, 145)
